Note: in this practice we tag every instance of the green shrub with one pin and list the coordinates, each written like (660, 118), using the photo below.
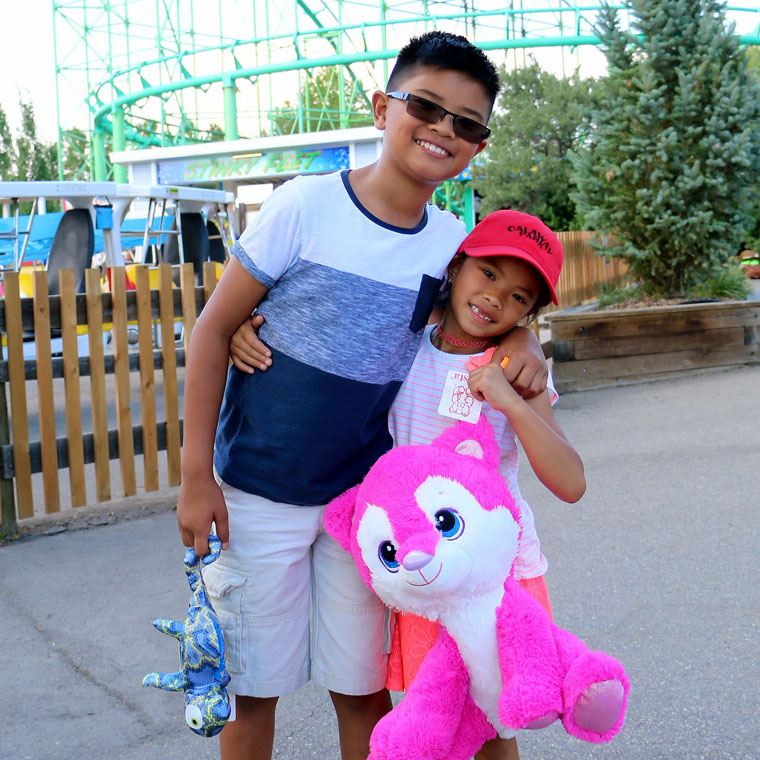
(730, 282)
(671, 166)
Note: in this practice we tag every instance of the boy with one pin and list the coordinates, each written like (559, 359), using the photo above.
(345, 268)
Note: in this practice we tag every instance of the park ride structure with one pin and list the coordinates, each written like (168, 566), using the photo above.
(148, 73)
(114, 219)
(106, 225)
(144, 74)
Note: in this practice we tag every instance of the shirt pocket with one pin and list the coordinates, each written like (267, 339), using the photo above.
(225, 592)
(430, 287)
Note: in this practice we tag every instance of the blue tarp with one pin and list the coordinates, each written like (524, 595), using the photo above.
(40, 238)
(45, 225)
(132, 231)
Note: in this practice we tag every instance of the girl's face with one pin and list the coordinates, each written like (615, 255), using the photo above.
(489, 295)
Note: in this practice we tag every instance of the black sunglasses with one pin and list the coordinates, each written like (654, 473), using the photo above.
(431, 113)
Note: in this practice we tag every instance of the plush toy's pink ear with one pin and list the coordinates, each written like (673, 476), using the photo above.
(475, 441)
(339, 515)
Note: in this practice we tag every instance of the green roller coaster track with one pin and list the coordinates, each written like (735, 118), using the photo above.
(143, 73)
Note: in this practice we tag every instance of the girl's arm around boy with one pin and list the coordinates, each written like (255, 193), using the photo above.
(201, 502)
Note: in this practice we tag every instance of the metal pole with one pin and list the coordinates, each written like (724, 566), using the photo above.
(119, 143)
(469, 205)
(230, 109)
(99, 157)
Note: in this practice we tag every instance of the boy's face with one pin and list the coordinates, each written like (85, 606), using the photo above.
(431, 153)
(489, 295)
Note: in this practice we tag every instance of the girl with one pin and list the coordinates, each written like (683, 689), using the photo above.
(505, 270)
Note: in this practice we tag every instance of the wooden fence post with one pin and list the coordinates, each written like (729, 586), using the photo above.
(8, 525)
(121, 381)
(147, 380)
(169, 374)
(45, 399)
(98, 386)
(22, 470)
(77, 481)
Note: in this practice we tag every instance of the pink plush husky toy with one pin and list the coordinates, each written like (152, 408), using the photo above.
(434, 530)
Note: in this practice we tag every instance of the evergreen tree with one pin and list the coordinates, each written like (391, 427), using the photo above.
(7, 148)
(35, 160)
(74, 162)
(538, 120)
(752, 237)
(319, 105)
(671, 166)
(214, 132)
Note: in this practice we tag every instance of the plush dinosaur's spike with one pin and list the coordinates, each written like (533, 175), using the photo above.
(169, 681)
(171, 627)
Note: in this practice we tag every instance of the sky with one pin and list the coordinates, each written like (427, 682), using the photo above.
(27, 61)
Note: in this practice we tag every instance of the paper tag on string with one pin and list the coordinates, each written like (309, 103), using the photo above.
(457, 400)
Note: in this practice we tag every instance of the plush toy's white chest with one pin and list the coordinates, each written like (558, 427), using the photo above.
(473, 627)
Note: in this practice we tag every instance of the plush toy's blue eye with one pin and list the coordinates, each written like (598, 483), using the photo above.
(449, 523)
(387, 553)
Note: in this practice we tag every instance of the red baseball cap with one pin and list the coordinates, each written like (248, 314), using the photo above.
(526, 237)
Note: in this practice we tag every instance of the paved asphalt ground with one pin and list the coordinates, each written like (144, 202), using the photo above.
(658, 565)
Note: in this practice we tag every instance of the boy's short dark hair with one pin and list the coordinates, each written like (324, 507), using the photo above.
(444, 50)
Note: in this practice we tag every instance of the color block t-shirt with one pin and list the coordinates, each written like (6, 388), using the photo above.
(348, 303)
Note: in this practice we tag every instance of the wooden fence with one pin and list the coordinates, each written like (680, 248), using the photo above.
(152, 313)
(584, 270)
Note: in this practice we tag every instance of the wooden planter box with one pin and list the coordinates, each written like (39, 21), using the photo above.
(594, 349)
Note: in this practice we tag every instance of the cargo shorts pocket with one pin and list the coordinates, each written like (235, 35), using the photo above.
(225, 591)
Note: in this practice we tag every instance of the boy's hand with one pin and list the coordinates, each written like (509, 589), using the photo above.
(526, 370)
(199, 505)
(488, 383)
(248, 353)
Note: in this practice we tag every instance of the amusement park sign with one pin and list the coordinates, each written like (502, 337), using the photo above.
(259, 164)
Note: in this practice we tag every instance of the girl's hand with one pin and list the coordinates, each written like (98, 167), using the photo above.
(489, 383)
(526, 371)
(247, 352)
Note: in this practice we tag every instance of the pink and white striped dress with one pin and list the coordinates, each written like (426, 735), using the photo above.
(414, 419)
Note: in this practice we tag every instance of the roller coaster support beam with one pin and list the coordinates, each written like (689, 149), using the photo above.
(119, 142)
(230, 109)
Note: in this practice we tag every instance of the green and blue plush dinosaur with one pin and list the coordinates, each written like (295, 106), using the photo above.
(203, 676)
